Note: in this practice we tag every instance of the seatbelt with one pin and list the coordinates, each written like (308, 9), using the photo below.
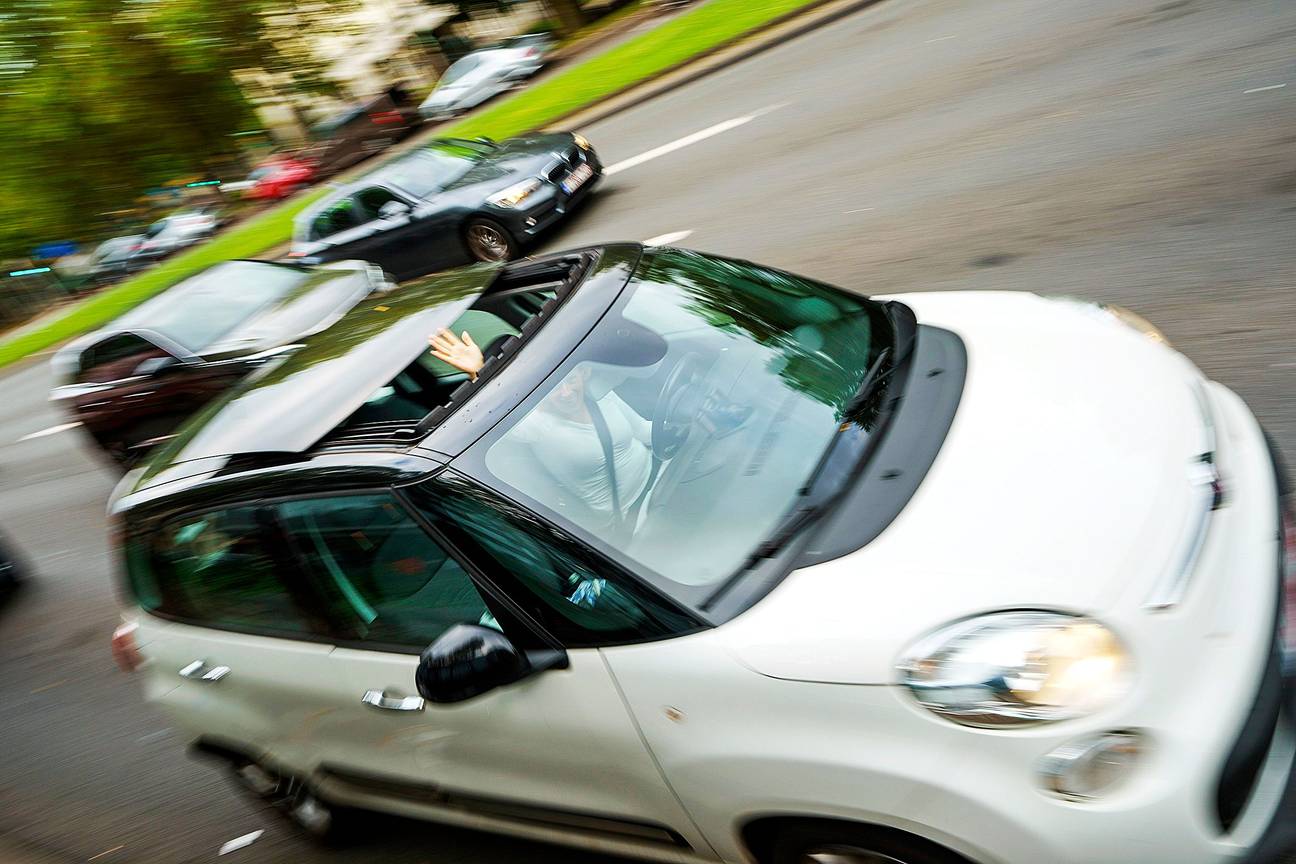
(609, 456)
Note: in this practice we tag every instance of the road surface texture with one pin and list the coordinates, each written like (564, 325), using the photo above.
(1138, 151)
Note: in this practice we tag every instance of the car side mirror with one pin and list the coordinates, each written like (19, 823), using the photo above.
(157, 365)
(485, 139)
(469, 660)
(393, 209)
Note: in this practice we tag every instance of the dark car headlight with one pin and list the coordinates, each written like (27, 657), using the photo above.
(515, 194)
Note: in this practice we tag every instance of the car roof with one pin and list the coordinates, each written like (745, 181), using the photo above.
(292, 402)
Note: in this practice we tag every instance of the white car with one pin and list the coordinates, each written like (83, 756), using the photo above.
(710, 562)
(473, 79)
(175, 232)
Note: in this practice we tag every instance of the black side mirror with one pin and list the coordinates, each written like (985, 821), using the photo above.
(469, 660)
(485, 139)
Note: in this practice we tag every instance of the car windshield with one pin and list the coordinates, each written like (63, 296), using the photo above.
(681, 432)
(198, 312)
(431, 168)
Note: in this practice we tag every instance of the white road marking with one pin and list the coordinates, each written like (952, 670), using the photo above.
(53, 430)
(861, 210)
(937, 39)
(106, 851)
(687, 140)
(667, 239)
(239, 842)
(1262, 89)
(1282, 365)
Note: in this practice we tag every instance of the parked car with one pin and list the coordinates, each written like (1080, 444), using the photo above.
(451, 202)
(172, 233)
(478, 76)
(708, 561)
(115, 258)
(132, 382)
(281, 177)
(358, 132)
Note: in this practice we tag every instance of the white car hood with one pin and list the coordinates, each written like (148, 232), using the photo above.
(1063, 484)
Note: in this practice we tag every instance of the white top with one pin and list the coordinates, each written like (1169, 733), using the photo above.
(571, 452)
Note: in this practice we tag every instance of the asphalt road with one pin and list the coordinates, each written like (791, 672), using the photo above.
(1138, 151)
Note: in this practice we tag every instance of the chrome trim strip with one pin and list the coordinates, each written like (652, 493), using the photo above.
(1204, 478)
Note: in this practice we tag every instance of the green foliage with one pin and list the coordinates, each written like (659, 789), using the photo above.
(105, 99)
(714, 23)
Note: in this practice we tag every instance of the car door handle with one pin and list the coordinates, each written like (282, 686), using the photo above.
(380, 699)
(198, 670)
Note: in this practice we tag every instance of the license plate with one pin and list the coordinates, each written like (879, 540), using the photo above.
(577, 179)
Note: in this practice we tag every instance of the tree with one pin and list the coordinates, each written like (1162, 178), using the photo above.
(104, 99)
(568, 13)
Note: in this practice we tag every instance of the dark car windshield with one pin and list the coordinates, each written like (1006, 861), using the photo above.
(199, 311)
(433, 167)
(681, 432)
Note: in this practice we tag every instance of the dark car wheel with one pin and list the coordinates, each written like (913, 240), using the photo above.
(829, 844)
(489, 241)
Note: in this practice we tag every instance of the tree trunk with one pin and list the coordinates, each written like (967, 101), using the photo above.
(569, 14)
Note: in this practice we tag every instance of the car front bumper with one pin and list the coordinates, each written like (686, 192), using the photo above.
(550, 204)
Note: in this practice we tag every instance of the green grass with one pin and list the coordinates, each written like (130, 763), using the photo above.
(714, 23)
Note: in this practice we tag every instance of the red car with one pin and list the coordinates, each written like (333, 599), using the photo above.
(281, 177)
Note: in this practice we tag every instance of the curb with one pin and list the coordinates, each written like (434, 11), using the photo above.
(769, 35)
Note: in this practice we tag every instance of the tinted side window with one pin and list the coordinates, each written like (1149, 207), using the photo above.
(582, 601)
(220, 568)
(387, 581)
(372, 200)
(337, 217)
(115, 358)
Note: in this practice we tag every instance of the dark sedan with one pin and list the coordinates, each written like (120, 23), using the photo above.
(451, 202)
(135, 380)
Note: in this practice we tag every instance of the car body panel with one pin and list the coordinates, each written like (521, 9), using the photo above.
(1074, 450)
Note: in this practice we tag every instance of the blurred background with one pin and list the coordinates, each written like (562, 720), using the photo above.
(1141, 152)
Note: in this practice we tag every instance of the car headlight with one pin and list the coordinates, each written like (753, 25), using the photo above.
(1136, 321)
(515, 194)
(1016, 668)
(581, 141)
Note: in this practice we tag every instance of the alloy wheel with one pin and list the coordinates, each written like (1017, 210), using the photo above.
(487, 242)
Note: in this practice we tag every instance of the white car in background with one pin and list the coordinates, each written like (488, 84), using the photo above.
(710, 562)
(175, 232)
(478, 76)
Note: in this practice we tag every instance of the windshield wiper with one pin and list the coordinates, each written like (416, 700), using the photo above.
(872, 378)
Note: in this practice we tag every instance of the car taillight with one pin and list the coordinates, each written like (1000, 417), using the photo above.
(124, 649)
(531, 52)
(383, 117)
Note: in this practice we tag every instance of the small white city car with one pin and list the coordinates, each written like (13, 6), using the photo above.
(710, 562)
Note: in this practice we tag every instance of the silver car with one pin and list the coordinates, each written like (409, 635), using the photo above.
(473, 79)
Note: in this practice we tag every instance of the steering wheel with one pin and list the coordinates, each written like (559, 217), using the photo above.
(678, 405)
